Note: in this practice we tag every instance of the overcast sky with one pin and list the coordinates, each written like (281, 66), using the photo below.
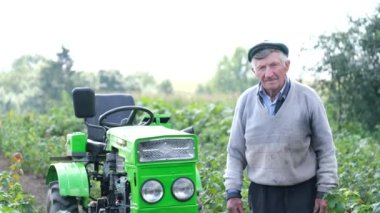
(182, 40)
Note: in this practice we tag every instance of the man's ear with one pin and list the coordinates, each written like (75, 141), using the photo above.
(287, 65)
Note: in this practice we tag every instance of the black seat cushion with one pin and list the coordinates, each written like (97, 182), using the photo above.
(103, 103)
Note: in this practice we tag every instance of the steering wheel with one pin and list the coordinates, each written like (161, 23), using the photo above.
(102, 121)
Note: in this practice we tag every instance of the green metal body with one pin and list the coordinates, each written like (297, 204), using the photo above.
(76, 144)
(161, 120)
(72, 178)
(127, 139)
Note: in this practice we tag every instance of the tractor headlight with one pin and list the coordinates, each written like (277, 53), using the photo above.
(166, 149)
(152, 191)
(183, 189)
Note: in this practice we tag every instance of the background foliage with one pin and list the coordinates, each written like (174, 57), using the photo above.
(12, 197)
(356, 148)
(352, 60)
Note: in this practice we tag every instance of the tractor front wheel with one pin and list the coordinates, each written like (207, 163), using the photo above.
(56, 202)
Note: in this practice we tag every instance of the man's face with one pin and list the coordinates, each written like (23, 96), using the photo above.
(271, 71)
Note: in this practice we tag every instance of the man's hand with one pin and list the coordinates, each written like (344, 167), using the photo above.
(320, 206)
(234, 205)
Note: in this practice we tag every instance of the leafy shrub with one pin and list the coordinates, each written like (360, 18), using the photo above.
(359, 172)
(32, 134)
(12, 197)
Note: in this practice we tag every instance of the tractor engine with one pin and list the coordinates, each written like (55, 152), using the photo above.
(115, 188)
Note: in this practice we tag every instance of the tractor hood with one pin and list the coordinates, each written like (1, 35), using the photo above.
(133, 133)
(152, 144)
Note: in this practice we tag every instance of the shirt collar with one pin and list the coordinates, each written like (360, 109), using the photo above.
(262, 92)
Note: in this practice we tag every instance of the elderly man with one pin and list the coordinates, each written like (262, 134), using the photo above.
(280, 133)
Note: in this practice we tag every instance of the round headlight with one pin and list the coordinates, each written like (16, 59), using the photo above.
(183, 189)
(152, 191)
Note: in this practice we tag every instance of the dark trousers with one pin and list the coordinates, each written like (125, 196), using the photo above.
(298, 198)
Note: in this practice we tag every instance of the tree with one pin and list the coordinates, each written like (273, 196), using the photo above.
(111, 81)
(140, 82)
(45, 79)
(166, 87)
(55, 78)
(20, 85)
(233, 75)
(28, 64)
(65, 60)
(352, 60)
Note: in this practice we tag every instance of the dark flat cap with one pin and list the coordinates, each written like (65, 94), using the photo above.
(267, 45)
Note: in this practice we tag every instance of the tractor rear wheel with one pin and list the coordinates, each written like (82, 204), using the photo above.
(56, 202)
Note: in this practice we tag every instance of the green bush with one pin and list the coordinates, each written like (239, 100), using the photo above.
(12, 197)
(359, 172)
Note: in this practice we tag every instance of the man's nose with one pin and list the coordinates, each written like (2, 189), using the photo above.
(269, 72)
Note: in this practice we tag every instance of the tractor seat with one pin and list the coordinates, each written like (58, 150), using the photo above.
(103, 103)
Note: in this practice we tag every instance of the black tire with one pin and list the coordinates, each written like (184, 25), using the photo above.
(56, 202)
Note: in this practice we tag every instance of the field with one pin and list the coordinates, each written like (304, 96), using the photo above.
(32, 134)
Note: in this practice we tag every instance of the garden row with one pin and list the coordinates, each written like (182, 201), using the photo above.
(359, 166)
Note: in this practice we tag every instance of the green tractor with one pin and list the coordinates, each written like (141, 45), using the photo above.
(130, 158)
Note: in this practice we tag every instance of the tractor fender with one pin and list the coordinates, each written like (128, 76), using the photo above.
(72, 178)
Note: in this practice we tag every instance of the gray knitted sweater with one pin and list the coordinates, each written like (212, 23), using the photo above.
(285, 149)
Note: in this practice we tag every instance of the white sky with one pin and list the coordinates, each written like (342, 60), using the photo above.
(182, 40)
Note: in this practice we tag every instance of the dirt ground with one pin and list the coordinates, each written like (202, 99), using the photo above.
(30, 183)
